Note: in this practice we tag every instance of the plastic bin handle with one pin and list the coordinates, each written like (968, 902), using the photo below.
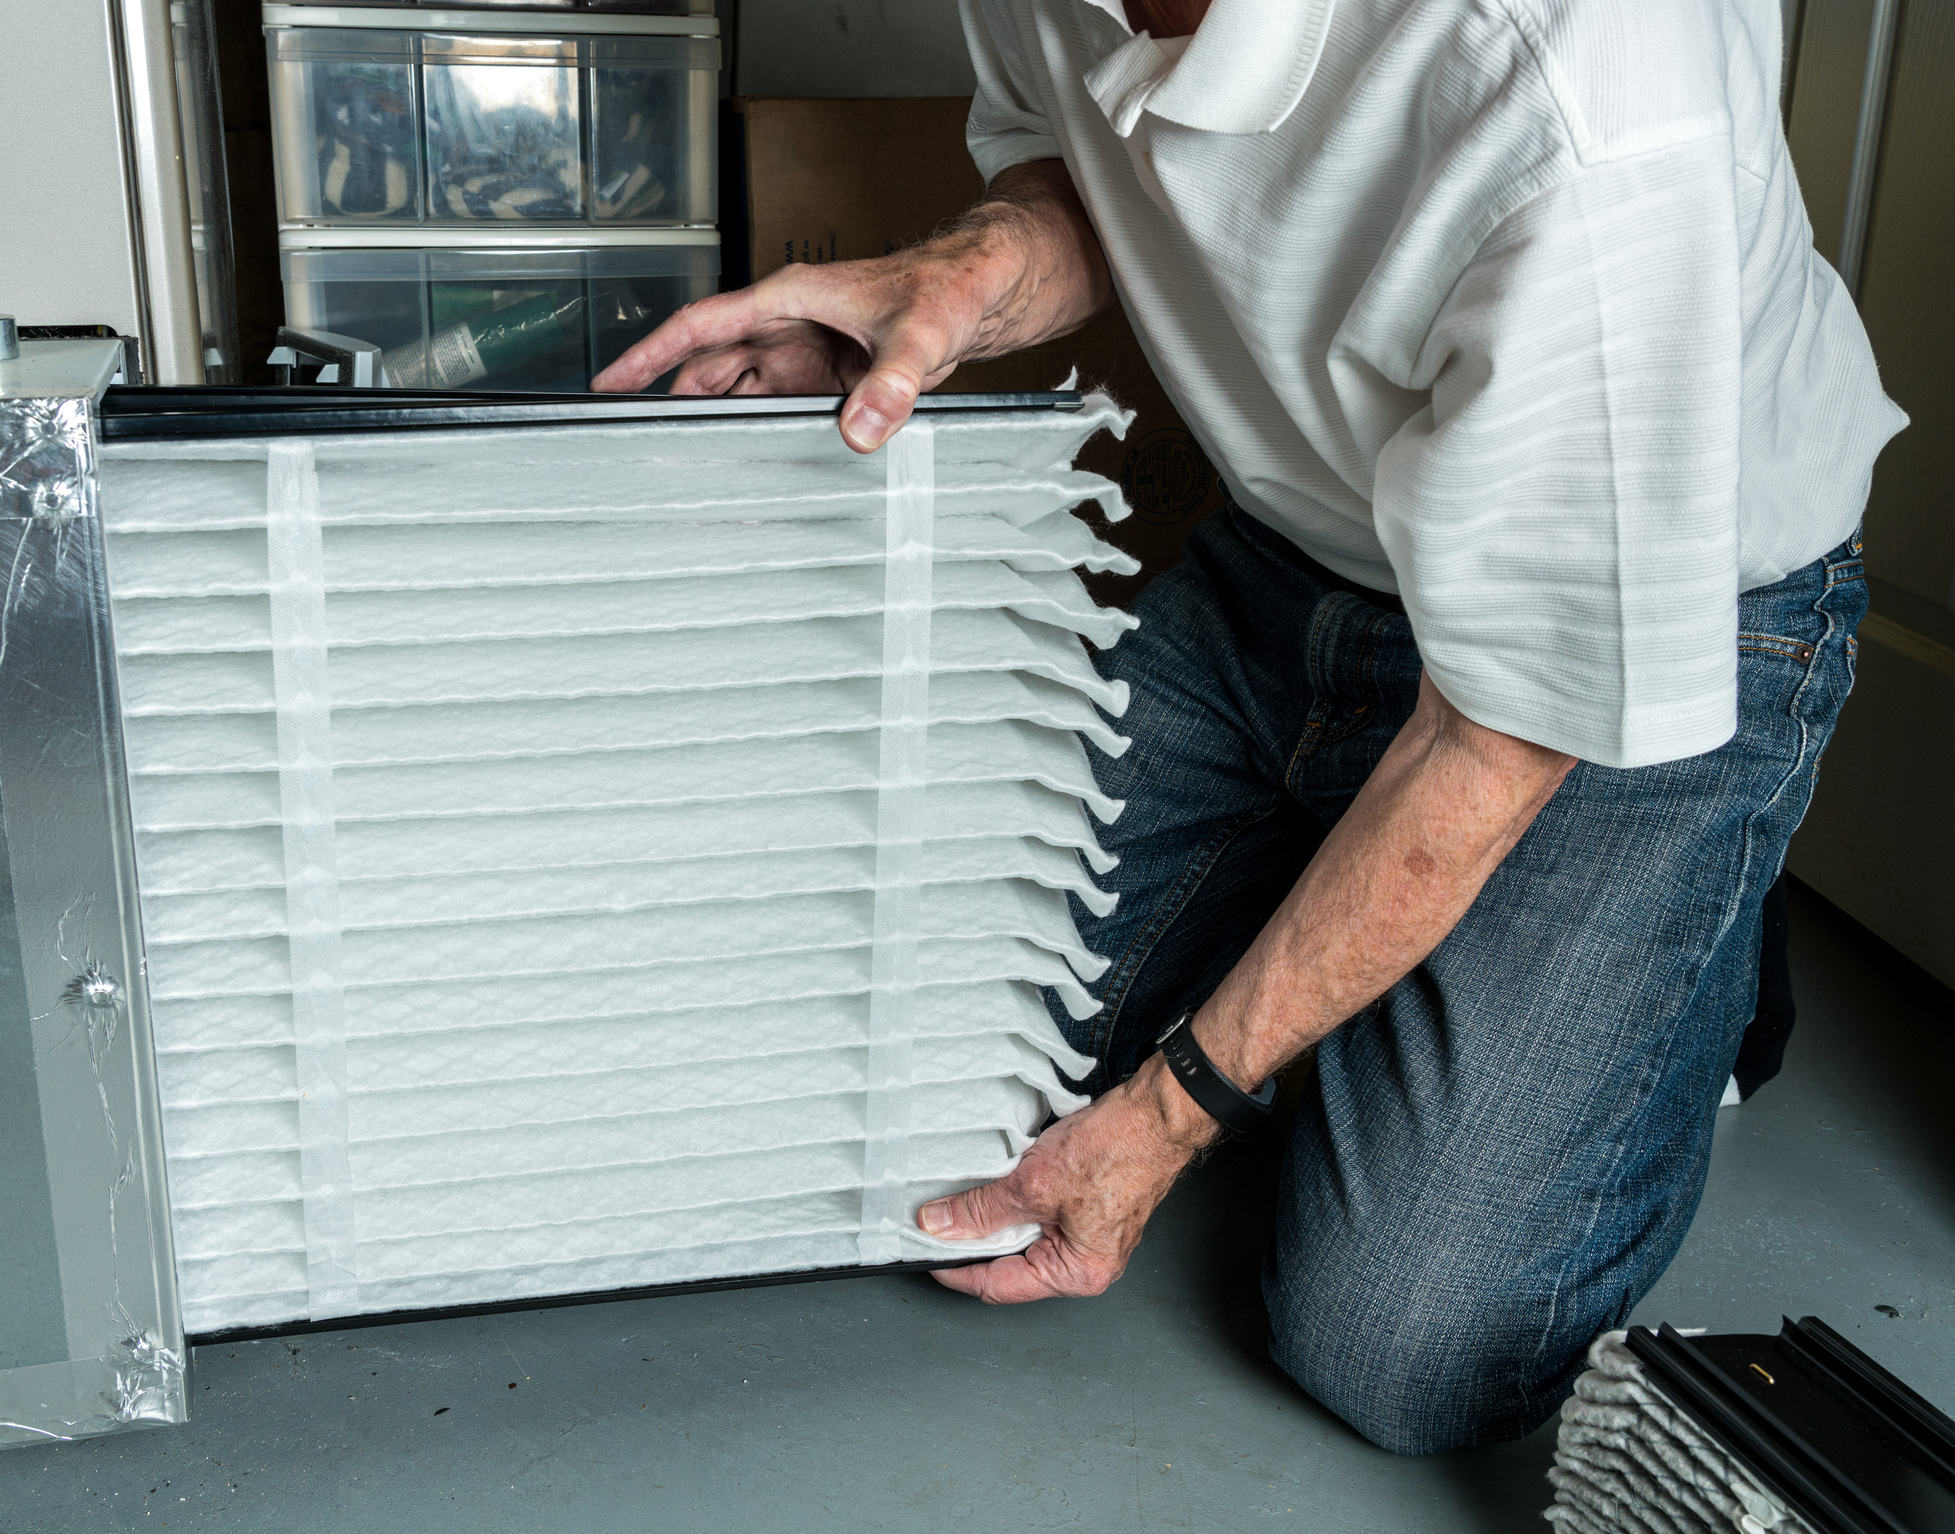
(357, 362)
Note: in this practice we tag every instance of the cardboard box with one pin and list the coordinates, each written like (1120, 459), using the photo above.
(836, 179)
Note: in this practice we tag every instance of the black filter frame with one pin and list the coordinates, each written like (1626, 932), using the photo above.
(196, 411)
(1842, 1442)
(559, 1301)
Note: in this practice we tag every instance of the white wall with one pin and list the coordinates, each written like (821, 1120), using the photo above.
(849, 48)
(65, 246)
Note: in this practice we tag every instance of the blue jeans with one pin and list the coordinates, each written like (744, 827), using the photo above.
(1497, 1159)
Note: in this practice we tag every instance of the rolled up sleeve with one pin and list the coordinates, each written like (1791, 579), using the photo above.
(1562, 517)
(1008, 125)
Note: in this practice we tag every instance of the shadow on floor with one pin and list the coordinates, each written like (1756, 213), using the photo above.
(1882, 1034)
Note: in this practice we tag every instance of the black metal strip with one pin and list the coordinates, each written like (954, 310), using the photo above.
(1810, 1484)
(557, 1301)
(1903, 1415)
(193, 414)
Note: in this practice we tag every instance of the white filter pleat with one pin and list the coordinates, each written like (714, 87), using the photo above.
(204, 565)
(305, 785)
(908, 564)
(166, 625)
(580, 858)
(612, 665)
(192, 861)
(409, 902)
(608, 988)
(472, 732)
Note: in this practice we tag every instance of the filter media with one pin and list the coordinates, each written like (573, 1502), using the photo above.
(575, 858)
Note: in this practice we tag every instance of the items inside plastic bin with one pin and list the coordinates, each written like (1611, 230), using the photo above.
(436, 128)
(528, 337)
(502, 142)
(483, 316)
(364, 140)
(639, 156)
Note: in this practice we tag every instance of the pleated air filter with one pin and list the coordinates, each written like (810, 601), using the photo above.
(583, 857)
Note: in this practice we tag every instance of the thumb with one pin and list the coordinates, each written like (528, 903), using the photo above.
(880, 404)
(978, 1212)
(912, 352)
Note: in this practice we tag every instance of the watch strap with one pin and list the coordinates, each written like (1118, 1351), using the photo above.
(1217, 1096)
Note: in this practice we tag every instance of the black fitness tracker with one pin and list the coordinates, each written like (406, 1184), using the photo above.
(1217, 1096)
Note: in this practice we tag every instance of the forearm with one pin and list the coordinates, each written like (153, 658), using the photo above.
(1444, 807)
(1040, 263)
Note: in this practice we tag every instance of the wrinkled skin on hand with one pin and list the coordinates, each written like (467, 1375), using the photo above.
(1091, 1181)
(1021, 267)
(882, 331)
(1440, 811)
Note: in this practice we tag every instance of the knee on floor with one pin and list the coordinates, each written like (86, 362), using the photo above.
(1431, 1372)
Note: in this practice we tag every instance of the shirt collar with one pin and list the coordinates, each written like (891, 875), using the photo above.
(1245, 70)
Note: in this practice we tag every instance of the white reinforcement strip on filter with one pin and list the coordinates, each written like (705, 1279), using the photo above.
(305, 789)
(908, 560)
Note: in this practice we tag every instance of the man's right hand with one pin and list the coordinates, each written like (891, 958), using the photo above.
(1021, 267)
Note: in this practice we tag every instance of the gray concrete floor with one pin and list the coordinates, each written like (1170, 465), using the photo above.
(872, 1404)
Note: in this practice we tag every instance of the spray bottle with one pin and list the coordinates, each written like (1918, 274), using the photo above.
(493, 342)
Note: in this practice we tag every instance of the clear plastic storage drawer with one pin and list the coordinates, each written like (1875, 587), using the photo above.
(545, 319)
(473, 127)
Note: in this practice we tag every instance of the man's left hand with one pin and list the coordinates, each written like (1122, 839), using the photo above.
(1443, 807)
(1091, 1180)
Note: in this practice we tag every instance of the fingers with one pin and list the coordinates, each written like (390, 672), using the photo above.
(804, 330)
(1090, 1182)
(712, 372)
(980, 1211)
(787, 296)
(1006, 1281)
(1052, 1267)
(712, 322)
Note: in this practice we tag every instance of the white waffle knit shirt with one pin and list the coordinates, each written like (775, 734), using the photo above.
(1508, 306)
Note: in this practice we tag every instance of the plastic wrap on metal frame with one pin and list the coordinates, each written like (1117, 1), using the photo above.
(79, 944)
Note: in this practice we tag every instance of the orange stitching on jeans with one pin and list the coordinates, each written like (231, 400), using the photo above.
(1317, 735)
(1775, 644)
